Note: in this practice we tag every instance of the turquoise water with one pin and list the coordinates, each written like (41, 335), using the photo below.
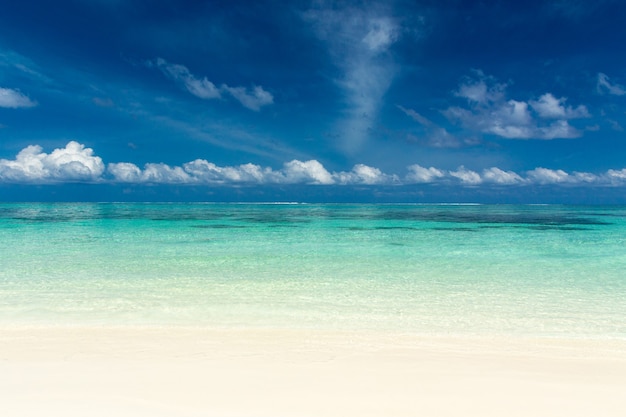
(549, 271)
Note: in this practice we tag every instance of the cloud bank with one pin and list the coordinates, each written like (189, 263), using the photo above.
(77, 163)
(206, 90)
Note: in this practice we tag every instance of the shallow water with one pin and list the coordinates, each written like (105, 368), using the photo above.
(431, 269)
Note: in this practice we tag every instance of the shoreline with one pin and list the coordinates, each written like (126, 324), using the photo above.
(203, 371)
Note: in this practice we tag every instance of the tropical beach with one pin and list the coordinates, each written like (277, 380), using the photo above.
(312, 208)
(309, 309)
(204, 372)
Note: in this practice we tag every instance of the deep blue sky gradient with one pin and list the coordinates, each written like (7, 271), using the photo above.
(380, 85)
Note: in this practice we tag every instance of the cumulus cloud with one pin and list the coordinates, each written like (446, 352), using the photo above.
(419, 174)
(364, 174)
(549, 107)
(548, 176)
(310, 172)
(205, 89)
(75, 162)
(558, 176)
(125, 172)
(604, 85)
(163, 173)
(616, 176)
(491, 112)
(498, 176)
(467, 176)
(201, 171)
(198, 171)
(477, 91)
(510, 119)
(559, 129)
(14, 99)
(208, 172)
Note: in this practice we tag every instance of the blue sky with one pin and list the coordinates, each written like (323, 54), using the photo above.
(313, 100)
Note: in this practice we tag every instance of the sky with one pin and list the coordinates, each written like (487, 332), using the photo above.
(408, 101)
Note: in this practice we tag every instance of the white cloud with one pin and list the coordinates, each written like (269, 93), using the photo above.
(467, 176)
(585, 177)
(621, 174)
(490, 112)
(254, 100)
(559, 129)
(435, 136)
(28, 165)
(309, 172)
(415, 116)
(75, 162)
(14, 99)
(548, 176)
(364, 174)
(510, 131)
(201, 88)
(615, 176)
(604, 85)
(152, 173)
(498, 176)
(510, 120)
(558, 176)
(205, 89)
(358, 40)
(419, 174)
(201, 171)
(382, 32)
(354, 30)
(208, 172)
(477, 91)
(313, 172)
(197, 171)
(125, 172)
(550, 107)
(163, 173)
(72, 163)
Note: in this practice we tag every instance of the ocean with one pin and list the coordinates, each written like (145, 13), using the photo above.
(479, 270)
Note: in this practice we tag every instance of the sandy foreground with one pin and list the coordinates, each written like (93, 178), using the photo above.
(49, 371)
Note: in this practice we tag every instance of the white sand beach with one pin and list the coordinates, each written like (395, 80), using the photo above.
(175, 371)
